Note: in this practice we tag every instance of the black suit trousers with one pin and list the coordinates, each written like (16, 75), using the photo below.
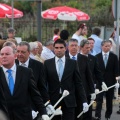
(68, 112)
(79, 108)
(109, 103)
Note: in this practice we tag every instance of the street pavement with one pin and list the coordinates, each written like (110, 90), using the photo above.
(114, 115)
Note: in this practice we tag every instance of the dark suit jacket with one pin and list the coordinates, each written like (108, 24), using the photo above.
(95, 69)
(19, 105)
(70, 81)
(38, 71)
(85, 74)
(111, 71)
(3, 104)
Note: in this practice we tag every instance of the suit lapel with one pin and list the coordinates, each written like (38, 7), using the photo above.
(54, 67)
(65, 68)
(4, 81)
(109, 59)
(102, 61)
(18, 78)
(30, 63)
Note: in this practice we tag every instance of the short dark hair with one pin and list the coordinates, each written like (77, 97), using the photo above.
(105, 41)
(81, 26)
(64, 34)
(91, 39)
(59, 41)
(56, 31)
(83, 43)
(96, 31)
(11, 30)
(24, 43)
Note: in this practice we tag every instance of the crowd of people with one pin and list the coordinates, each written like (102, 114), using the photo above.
(33, 74)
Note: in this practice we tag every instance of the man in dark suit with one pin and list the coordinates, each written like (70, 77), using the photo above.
(19, 86)
(62, 74)
(23, 52)
(109, 67)
(86, 76)
(3, 104)
(94, 66)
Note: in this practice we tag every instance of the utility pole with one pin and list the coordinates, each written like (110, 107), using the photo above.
(39, 20)
(116, 14)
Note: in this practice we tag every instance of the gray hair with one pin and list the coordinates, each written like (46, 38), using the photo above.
(11, 30)
(49, 42)
(83, 43)
(24, 43)
(105, 41)
(72, 40)
(11, 44)
(33, 45)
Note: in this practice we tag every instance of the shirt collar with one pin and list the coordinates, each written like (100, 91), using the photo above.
(72, 55)
(63, 59)
(103, 53)
(13, 68)
(83, 54)
(26, 63)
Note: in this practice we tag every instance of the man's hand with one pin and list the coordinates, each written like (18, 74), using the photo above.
(85, 107)
(93, 96)
(45, 117)
(50, 109)
(104, 87)
(97, 91)
(34, 114)
(117, 85)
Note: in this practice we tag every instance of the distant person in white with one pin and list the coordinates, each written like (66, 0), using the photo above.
(113, 44)
(95, 35)
(47, 52)
(33, 49)
(78, 35)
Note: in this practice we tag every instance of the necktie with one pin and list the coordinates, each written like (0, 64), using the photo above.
(24, 65)
(73, 58)
(60, 69)
(11, 81)
(105, 59)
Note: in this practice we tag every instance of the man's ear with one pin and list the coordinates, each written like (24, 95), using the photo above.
(15, 55)
(67, 47)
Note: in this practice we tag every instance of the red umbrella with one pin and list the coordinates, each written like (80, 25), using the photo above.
(6, 11)
(65, 13)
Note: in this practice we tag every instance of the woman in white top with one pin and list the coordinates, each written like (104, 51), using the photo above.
(113, 47)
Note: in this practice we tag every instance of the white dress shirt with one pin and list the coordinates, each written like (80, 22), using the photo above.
(13, 68)
(25, 64)
(103, 54)
(83, 54)
(47, 53)
(73, 56)
(57, 62)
